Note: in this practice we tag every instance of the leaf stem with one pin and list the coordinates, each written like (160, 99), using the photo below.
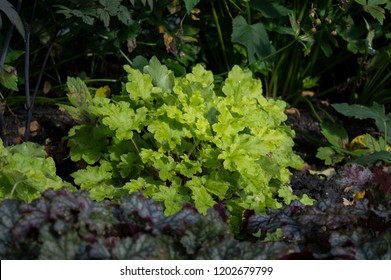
(192, 148)
(135, 145)
(216, 19)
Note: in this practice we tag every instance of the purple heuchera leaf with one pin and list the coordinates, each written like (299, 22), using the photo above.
(152, 213)
(354, 175)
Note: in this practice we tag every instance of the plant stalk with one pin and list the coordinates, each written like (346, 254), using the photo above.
(216, 19)
(3, 56)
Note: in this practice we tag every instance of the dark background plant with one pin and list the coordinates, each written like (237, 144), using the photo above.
(289, 44)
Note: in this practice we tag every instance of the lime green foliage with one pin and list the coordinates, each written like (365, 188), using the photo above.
(178, 140)
(363, 149)
(26, 172)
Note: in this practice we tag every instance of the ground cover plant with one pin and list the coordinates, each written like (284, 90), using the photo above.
(195, 129)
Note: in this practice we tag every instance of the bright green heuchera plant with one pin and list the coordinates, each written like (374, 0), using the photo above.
(26, 171)
(178, 140)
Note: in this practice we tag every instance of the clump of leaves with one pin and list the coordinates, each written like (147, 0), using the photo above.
(180, 141)
(65, 225)
(26, 171)
(363, 149)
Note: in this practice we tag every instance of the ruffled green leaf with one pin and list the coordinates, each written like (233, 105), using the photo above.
(161, 76)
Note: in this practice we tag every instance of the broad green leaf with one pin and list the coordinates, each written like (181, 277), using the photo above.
(375, 112)
(111, 6)
(124, 15)
(373, 8)
(372, 158)
(140, 184)
(306, 200)
(269, 8)
(87, 143)
(161, 76)
(377, 13)
(188, 167)
(190, 4)
(253, 37)
(329, 155)
(372, 144)
(218, 184)
(13, 55)
(168, 132)
(122, 119)
(285, 193)
(164, 164)
(240, 84)
(80, 98)
(172, 199)
(200, 75)
(139, 62)
(105, 190)
(139, 86)
(202, 198)
(102, 91)
(361, 2)
(335, 134)
(9, 77)
(144, 2)
(93, 177)
(104, 16)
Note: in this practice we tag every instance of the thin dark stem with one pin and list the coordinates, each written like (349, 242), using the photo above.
(3, 56)
(2, 124)
(27, 76)
(7, 41)
(7, 38)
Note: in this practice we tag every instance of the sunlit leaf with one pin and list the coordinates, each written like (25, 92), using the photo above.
(161, 76)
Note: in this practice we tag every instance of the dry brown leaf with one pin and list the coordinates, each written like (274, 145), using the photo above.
(359, 195)
(292, 111)
(309, 93)
(47, 86)
(326, 172)
(195, 13)
(34, 127)
(131, 44)
(346, 202)
(348, 189)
